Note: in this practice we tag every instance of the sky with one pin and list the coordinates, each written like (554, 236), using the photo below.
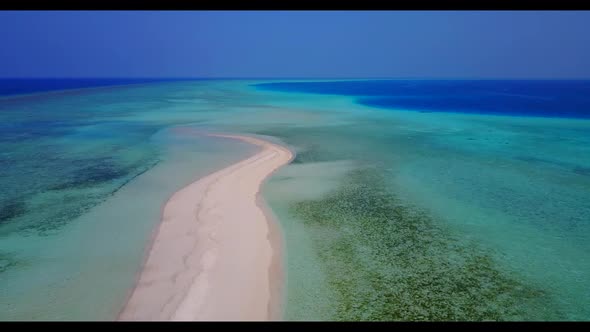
(311, 44)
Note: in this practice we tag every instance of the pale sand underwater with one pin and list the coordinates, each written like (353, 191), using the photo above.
(213, 256)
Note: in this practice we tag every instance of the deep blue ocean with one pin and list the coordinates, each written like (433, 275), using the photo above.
(540, 98)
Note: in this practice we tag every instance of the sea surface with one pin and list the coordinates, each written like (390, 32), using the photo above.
(19, 86)
(407, 199)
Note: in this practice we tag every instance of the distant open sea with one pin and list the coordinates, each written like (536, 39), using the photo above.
(545, 98)
(541, 98)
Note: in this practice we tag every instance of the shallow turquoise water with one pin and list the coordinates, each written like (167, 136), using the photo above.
(529, 222)
(387, 215)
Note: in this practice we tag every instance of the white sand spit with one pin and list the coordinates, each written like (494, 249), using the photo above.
(212, 256)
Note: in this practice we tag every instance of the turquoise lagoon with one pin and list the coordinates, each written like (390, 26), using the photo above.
(387, 213)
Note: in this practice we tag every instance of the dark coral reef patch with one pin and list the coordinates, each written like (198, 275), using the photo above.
(387, 261)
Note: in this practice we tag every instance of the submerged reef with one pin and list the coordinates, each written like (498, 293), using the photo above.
(95, 172)
(11, 209)
(5, 262)
(387, 261)
(46, 211)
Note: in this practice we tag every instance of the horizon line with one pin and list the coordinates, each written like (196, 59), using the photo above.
(287, 78)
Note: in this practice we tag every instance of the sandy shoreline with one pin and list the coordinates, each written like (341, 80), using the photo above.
(216, 253)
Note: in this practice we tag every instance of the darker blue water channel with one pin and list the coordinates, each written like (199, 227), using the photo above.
(540, 98)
